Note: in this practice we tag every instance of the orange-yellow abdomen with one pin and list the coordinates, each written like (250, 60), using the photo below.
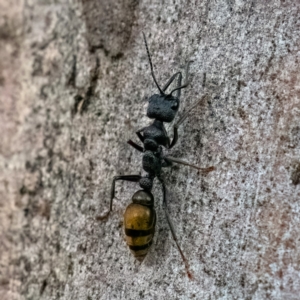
(139, 223)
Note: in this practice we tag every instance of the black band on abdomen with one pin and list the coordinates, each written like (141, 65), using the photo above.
(142, 247)
(137, 233)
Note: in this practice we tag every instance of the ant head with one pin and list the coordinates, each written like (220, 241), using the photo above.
(163, 107)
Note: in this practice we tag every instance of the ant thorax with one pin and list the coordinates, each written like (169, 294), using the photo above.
(154, 135)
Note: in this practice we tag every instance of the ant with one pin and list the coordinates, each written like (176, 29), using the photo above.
(140, 216)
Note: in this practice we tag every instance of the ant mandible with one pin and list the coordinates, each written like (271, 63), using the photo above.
(140, 216)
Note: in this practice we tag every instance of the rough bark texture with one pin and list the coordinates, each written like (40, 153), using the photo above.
(74, 80)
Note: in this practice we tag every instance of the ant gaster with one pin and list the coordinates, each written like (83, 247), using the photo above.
(140, 217)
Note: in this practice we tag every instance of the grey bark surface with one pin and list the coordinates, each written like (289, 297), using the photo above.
(74, 84)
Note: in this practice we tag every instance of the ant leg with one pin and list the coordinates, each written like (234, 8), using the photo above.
(140, 136)
(172, 228)
(135, 145)
(170, 81)
(165, 206)
(132, 178)
(180, 121)
(166, 163)
(182, 162)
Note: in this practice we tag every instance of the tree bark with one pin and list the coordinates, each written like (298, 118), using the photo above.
(74, 84)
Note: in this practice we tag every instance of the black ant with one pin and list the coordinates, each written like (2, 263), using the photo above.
(140, 217)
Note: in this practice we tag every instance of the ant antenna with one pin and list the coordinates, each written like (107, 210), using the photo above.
(186, 78)
(180, 87)
(151, 66)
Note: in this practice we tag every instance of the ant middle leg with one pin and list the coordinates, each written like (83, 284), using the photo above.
(141, 138)
(139, 134)
(170, 159)
(135, 146)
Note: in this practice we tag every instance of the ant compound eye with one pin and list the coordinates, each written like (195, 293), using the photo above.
(174, 106)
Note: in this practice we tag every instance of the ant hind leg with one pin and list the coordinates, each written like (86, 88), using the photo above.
(132, 178)
(165, 206)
